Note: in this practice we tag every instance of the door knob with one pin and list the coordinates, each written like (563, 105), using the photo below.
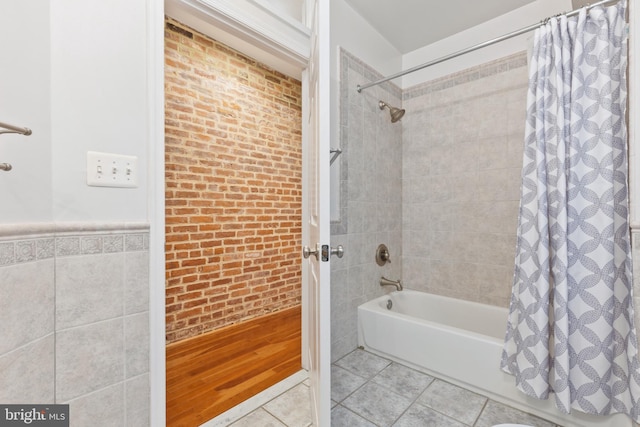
(307, 252)
(339, 251)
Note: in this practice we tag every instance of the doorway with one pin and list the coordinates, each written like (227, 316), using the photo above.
(233, 162)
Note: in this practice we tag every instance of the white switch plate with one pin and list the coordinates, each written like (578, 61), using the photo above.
(111, 170)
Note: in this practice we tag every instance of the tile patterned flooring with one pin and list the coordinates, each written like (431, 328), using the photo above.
(369, 391)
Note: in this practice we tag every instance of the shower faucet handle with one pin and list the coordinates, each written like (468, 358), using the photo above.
(382, 255)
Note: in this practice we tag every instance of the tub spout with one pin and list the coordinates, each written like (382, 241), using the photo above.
(386, 282)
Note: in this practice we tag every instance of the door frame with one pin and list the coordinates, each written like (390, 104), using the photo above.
(156, 212)
(241, 25)
(316, 131)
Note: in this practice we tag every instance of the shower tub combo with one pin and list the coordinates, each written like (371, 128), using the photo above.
(458, 341)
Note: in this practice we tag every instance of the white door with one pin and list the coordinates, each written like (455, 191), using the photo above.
(316, 222)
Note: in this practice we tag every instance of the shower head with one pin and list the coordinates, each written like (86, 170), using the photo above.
(396, 113)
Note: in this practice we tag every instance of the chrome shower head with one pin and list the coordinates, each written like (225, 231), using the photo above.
(396, 113)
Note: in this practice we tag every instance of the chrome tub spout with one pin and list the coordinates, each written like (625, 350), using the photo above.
(386, 282)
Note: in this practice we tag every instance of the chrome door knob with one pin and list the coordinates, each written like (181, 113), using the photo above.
(339, 251)
(307, 252)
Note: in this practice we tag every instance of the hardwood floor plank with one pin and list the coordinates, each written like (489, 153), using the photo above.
(211, 373)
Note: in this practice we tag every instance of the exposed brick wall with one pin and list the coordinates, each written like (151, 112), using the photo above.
(233, 185)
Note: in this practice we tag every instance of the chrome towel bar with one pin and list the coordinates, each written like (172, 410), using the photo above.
(11, 129)
(14, 129)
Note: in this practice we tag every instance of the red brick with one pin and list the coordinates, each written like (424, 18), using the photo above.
(233, 186)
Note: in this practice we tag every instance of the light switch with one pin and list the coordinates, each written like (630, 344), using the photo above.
(111, 170)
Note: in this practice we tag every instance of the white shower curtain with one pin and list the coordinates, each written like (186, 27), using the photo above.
(570, 330)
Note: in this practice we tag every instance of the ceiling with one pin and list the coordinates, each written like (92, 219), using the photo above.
(411, 24)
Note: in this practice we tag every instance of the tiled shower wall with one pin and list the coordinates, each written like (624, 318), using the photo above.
(74, 310)
(370, 199)
(462, 141)
(462, 158)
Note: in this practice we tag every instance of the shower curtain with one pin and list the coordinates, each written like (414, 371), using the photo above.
(570, 331)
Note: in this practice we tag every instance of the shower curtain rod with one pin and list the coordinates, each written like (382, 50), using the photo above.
(478, 46)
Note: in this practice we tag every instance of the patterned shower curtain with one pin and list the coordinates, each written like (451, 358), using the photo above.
(570, 330)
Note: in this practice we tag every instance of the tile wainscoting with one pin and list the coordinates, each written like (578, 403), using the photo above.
(74, 305)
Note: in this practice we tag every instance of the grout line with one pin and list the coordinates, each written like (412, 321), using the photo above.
(481, 411)
(367, 380)
(370, 380)
(415, 400)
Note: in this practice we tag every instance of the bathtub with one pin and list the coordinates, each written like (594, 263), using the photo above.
(458, 341)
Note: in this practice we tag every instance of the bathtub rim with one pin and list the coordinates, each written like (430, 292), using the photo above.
(371, 306)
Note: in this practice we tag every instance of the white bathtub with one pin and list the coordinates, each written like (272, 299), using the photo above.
(459, 341)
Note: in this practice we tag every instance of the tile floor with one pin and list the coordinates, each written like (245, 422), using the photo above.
(368, 391)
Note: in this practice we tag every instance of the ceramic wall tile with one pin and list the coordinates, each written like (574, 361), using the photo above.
(105, 407)
(136, 341)
(27, 373)
(89, 358)
(26, 303)
(371, 186)
(469, 123)
(74, 276)
(136, 282)
(89, 288)
(137, 404)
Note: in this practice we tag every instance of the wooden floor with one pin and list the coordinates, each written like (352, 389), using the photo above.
(211, 373)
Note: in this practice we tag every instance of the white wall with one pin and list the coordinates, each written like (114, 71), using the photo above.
(351, 32)
(98, 103)
(75, 73)
(515, 20)
(25, 88)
